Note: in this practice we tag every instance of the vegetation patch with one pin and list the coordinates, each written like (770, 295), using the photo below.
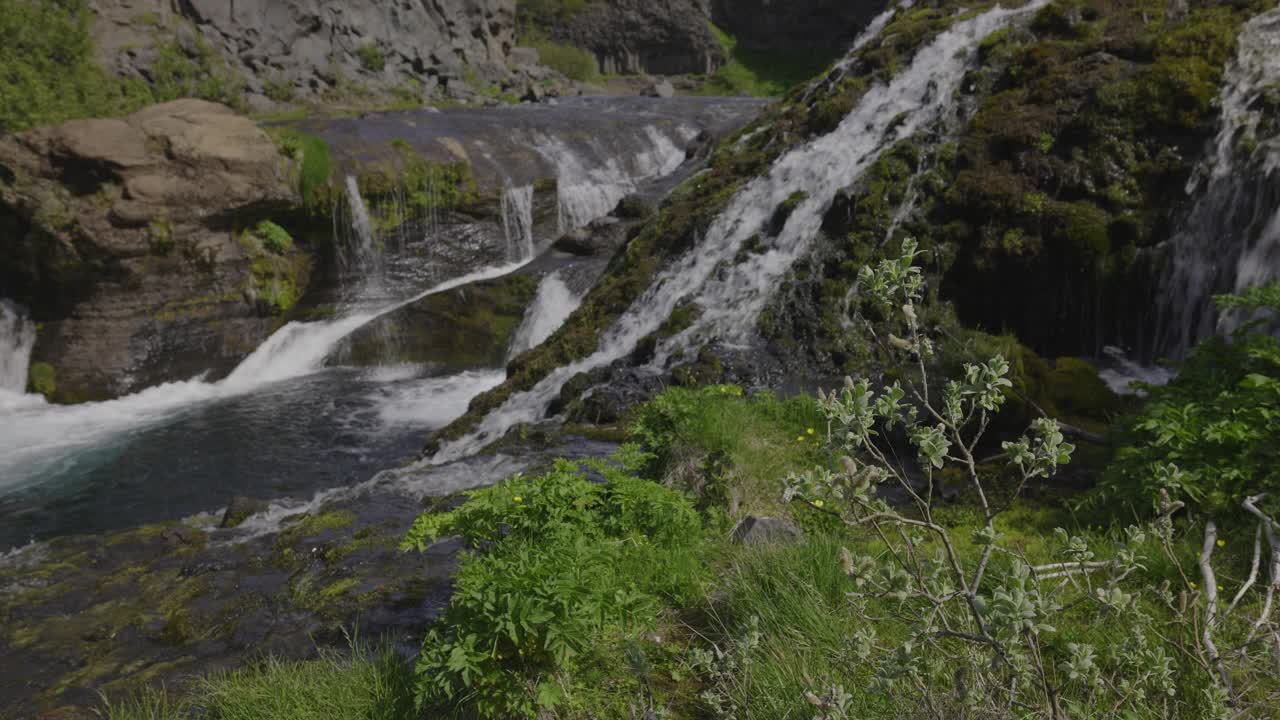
(762, 73)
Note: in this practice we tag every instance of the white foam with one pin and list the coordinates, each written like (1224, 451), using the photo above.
(915, 98)
(554, 303)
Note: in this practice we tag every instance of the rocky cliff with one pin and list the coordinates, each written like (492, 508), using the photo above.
(297, 49)
(660, 37)
(138, 245)
(807, 25)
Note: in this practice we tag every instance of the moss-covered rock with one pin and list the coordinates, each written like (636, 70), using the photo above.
(461, 329)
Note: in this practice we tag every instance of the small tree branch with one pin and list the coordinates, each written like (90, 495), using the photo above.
(1211, 603)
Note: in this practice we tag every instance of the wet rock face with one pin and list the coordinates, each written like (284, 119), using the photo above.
(127, 239)
(164, 604)
(309, 47)
(462, 329)
(661, 37)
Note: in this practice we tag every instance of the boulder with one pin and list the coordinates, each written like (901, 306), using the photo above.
(127, 238)
(241, 509)
(467, 328)
(660, 89)
(753, 530)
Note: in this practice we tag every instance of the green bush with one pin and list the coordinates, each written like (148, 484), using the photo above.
(572, 62)
(567, 566)
(372, 58)
(200, 74)
(47, 74)
(1208, 438)
(762, 73)
(274, 238)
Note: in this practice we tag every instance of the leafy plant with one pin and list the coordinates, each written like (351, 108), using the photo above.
(565, 564)
(962, 626)
(1208, 438)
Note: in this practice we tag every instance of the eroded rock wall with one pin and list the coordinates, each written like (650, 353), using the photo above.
(132, 242)
(297, 48)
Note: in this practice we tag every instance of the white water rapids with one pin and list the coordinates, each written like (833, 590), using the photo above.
(916, 97)
(38, 438)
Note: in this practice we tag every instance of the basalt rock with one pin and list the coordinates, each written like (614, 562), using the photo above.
(631, 37)
(287, 48)
(130, 240)
(798, 25)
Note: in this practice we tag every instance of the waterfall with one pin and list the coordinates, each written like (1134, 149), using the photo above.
(17, 337)
(295, 350)
(916, 97)
(1230, 239)
(585, 193)
(517, 221)
(554, 303)
(361, 253)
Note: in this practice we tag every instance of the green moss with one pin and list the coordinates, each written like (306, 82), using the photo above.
(273, 237)
(762, 73)
(1075, 390)
(314, 166)
(338, 588)
(42, 378)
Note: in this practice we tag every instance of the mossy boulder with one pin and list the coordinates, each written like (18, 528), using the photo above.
(461, 329)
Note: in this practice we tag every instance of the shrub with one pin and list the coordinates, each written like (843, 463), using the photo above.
(572, 62)
(273, 237)
(48, 76)
(566, 565)
(1208, 438)
(371, 58)
(954, 625)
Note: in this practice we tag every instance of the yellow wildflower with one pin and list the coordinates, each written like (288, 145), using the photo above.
(810, 431)
(800, 439)
(518, 499)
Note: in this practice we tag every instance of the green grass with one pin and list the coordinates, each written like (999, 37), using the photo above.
(762, 73)
(572, 62)
(316, 163)
(360, 685)
(707, 624)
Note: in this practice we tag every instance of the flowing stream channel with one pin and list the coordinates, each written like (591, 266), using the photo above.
(288, 422)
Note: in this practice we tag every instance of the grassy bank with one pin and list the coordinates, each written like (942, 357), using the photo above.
(614, 588)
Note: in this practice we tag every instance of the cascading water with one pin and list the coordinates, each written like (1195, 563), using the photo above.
(360, 254)
(554, 303)
(1230, 240)
(17, 338)
(517, 221)
(586, 192)
(284, 423)
(915, 98)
